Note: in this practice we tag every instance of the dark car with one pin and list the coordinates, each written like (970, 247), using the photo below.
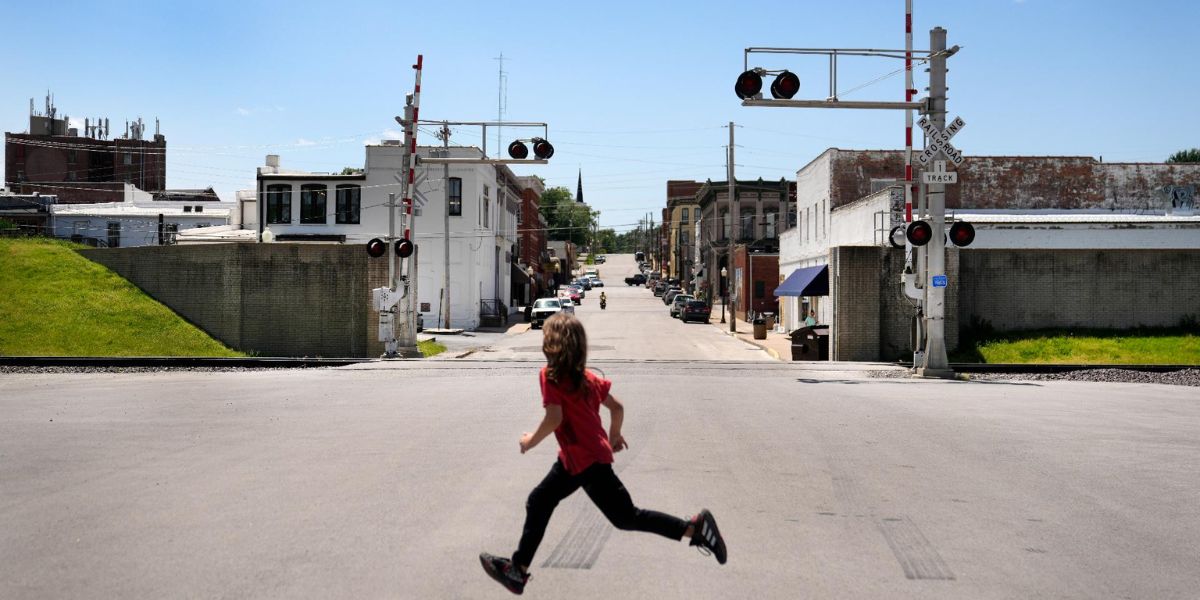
(637, 279)
(696, 310)
(669, 295)
(660, 288)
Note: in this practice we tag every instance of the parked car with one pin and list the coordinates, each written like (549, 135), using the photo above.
(669, 295)
(572, 293)
(579, 290)
(660, 288)
(696, 310)
(567, 305)
(584, 282)
(543, 309)
(637, 279)
(677, 304)
(601, 259)
(596, 282)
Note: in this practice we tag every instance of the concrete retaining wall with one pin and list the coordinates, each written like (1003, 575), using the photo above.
(267, 299)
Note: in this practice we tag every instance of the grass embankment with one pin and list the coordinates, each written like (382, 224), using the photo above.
(430, 348)
(54, 302)
(1175, 346)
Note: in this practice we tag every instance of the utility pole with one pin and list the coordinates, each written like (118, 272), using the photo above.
(445, 135)
(936, 363)
(730, 294)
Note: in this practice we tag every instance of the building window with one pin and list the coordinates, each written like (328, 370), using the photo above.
(456, 196)
(128, 158)
(760, 289)
(187, 208)
(772, 224)
(725, 225)
(279, 204)
(114, 234)
(748, 227)
(349, 203)
(71, 156)
(684, 216)
(487, 208)
(172, 233)
(312, 203)
(71, 176)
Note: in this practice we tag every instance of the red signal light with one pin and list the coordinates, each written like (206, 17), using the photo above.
(748, 85)
(919, 233)
(962, 234)
(376, 248)
(542, 149)
(785, 86)
(404, 247)
(518, 150)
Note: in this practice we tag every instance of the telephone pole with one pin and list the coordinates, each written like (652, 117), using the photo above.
(445, 135)
(730, 293)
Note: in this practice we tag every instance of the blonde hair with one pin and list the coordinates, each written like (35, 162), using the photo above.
(564, 343)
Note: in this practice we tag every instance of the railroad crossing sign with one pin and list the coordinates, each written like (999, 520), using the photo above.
(939, 174)
(939, 141)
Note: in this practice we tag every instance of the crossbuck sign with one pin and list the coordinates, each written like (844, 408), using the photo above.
(939, 141)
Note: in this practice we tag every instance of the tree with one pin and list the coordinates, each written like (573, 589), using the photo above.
(351, 171)
(565, 218)
(1185, 156)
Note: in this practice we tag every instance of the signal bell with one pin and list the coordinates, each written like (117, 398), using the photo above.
(404, 247)
(919, 233)
(785, 86)
(376, 248)
(518, 150)
(962, 234)
(748, 85)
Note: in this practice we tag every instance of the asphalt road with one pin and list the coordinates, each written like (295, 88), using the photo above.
(387, 480)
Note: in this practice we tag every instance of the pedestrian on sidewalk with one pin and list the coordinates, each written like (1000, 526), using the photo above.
(572, 396)
(812, 319)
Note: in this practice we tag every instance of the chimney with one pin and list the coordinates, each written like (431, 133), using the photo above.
(273, 161)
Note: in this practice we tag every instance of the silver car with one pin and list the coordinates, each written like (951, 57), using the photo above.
(678, 303)
(543, 309)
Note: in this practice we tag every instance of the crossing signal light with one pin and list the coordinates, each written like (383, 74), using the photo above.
(542, 149)
(518, 150)
(404, 247)
(376, 248)
(919, 233)
(785, 86)
(962, 234)
(749, 84)
(896, 237)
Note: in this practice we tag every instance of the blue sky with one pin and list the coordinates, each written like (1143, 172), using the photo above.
(635, 92)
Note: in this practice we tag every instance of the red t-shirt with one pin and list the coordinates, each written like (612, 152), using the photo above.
(582, 440)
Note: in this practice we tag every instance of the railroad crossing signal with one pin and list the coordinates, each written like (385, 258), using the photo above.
(939, 174)
(939, 141)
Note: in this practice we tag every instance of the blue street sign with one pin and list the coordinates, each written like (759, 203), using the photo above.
(939, 281)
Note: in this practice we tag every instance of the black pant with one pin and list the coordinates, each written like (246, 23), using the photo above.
(607, 493)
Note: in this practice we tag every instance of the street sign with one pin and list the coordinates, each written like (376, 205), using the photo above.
(938, 174)
(940, 281)
(938, 141)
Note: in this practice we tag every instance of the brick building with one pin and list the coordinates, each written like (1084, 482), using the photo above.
(531, 235)
(52, 158)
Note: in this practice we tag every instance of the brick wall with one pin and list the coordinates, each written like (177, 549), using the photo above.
(270, 299)
(1018, 289)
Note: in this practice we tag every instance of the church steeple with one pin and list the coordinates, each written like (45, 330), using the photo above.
(579, 189)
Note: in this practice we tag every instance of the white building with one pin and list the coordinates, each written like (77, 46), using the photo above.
(135, 220)
(483, 203)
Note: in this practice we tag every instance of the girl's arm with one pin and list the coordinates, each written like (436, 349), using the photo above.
(617, 413)
(550, 422)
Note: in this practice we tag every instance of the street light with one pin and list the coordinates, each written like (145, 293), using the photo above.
(725, 289)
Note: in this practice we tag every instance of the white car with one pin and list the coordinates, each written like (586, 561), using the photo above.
(567, 305)
(543, 309)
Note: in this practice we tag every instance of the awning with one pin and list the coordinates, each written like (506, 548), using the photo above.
(806, 281)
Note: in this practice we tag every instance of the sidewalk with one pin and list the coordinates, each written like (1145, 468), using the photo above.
(778, 345)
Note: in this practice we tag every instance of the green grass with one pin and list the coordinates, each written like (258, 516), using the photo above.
(54, 302)
(430, 348)
(1145, 346)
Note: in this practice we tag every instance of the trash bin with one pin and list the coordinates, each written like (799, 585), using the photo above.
(770, 317)
(810, 343)
(760, 328)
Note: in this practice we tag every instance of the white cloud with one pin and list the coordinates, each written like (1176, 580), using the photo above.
(304, 142)
(245, 112)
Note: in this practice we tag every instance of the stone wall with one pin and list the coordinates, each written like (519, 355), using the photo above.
(1010, 289)
(1117, 289)
(266, 299)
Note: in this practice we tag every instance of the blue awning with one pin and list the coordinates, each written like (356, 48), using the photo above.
(806, 281)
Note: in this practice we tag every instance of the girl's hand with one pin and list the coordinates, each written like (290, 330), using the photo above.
(526, 442)
(618, 443)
